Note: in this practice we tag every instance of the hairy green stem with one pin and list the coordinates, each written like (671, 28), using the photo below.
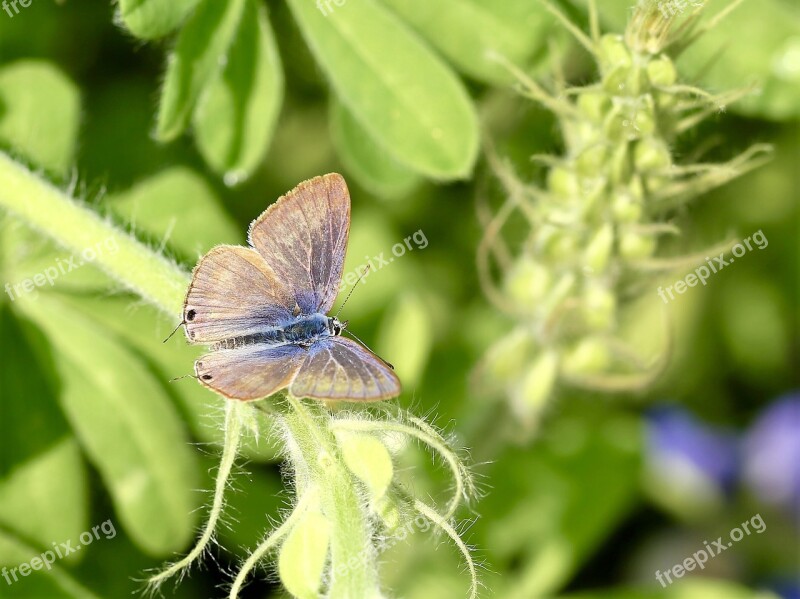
(353, 568)
(77, 227)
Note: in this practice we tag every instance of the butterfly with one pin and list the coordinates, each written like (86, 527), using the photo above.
(263, 309)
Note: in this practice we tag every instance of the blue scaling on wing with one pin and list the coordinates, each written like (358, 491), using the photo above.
(339, 368)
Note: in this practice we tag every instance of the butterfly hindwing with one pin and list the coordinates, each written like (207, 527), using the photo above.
(303, 239)
(251, 372)
(234, 293)
(339, 368)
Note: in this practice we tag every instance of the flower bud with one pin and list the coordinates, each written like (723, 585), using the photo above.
(591, 161)
(563, 182)
(651, 155)
(599, 249)
(599, 307)
(594, 105)
(613, 52)
(661, 71)
(527, 282)
(537, 386)
(367, 457)
(634, 246)
(589, 356)
(304, 553)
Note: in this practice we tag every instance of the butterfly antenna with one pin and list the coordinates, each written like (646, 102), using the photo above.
(185, 376)
(363, 274)
(175, 330)
(353, 335)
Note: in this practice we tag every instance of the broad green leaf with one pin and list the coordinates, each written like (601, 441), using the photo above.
(470, 32)
(54, 583)
(39, 113)
(406, 337)
(27, 496)
(372, 167)
(571, 490)
(143, 328)
(152, 19)
(408, 100)
(31, 422)
(236, 115)
(178, 207)
(200, 53)
(127, 426)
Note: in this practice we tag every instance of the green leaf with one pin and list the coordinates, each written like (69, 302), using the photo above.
(372, 167)
(54, 583)
(200, 53)
(578, 483)
(177, 205)
(31, 421)
(144, 329)
(236, 115)
(27, 503)
(407, 335)
(127, 426)
(468, 32)
(152, 19)
(39, 113)
(408, 100)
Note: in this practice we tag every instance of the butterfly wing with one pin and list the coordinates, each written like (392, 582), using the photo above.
(233, 293)
(250, 372)
(303, 239)
(339, 368)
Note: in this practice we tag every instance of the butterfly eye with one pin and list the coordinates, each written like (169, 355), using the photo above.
(190, 315)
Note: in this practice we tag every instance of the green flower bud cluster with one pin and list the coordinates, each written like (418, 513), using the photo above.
(597, 221)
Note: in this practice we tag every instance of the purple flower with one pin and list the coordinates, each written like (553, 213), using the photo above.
(772, 454)
(690, 452)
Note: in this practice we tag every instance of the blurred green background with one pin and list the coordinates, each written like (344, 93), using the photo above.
(611, 488)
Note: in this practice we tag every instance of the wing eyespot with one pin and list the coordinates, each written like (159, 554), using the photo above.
(190, 314)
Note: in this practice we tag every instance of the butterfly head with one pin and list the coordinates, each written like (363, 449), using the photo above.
(335, 326)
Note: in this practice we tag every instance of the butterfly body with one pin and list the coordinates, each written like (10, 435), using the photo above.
(262, 309)
(303, 331)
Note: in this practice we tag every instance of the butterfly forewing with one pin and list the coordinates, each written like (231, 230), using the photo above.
(303, 239)
(339, 368)
(234, 293)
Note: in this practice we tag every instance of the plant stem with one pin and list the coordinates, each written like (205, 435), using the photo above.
(353, 569)
(77, 228)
